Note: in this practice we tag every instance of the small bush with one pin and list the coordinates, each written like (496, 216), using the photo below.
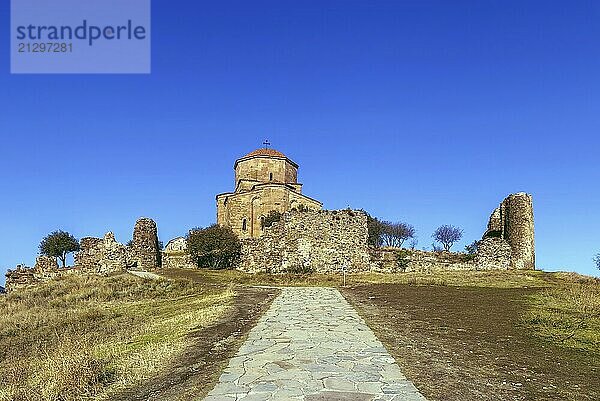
(272, 217)
(300, 269)
(402, 259)
(471, 249)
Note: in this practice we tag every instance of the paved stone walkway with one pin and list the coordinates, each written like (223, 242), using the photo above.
(312, 345)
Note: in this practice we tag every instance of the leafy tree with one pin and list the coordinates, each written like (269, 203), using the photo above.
(394, 234)
(215, 247)
(413, 243)
(472, 248)
(375, 229)
(272, 217)
(447, 235)
(597, 260)
(59, 244)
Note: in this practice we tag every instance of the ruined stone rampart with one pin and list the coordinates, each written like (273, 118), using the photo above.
(46, 268)
(394, 260)
(175, 255)
(513, 222)
(312, 241)
(101, 255)
(492, 254)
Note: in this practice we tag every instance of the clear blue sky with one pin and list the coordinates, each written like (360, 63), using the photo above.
(430, 112)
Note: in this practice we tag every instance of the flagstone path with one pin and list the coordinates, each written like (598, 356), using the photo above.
(312, 345)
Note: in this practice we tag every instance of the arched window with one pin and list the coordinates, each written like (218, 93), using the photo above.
(244, 225)
(270, 176)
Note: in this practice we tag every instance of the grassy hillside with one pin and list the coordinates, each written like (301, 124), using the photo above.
(124, 338)
(84, 337)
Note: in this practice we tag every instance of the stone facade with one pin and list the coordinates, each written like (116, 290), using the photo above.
(175, 255)
(512, 221)
(265, 180)
(312, 241)
(145, 251)
(102, 255)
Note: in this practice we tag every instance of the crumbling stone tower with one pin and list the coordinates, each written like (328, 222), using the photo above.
(144, 247)
(513, 222)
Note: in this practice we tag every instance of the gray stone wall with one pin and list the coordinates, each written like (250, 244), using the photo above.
(318, 241)
(513, 222)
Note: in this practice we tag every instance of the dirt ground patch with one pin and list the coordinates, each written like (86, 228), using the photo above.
(194, 373)
(467, 343)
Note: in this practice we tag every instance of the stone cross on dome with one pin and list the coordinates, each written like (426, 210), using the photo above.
(267, 143)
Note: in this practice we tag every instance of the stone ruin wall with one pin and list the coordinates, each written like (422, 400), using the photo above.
(323, 241)
(102, 255)
(512, 221)
(96, 256)
(106, 255)
(175, 255)
(320, 241)
(492, 254)
(45, 268)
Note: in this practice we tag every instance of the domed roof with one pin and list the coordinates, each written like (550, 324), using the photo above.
(265, 152)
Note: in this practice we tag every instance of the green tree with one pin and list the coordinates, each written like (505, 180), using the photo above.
(375, 230)
(272, 217)
(215, 247)
(472, 247)
(59, 244)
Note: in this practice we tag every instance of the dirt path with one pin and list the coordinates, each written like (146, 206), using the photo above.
(197, 370)
(465, 343)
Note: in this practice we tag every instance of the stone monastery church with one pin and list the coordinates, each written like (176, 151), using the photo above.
(265, 180)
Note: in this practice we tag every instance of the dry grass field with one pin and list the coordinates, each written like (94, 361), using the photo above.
(85, 337)
(458, 335)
